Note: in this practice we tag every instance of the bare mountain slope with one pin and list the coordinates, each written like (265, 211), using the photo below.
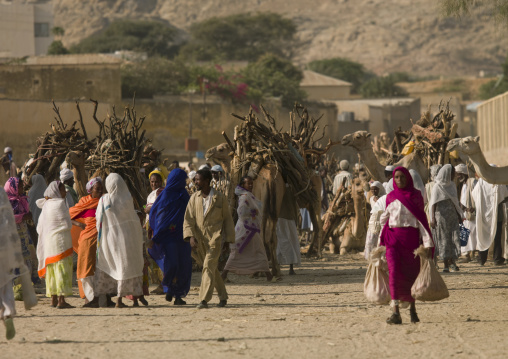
(386, 36)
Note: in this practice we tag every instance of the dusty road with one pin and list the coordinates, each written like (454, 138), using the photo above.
(319, 313)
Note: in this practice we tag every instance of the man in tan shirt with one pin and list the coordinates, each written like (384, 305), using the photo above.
(207, 220)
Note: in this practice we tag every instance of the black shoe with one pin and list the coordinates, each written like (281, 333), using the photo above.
(499, 263)
(414, 317)
(394, 319)
(169, 297)
(222, 303)
(143, 301)
(180, 301)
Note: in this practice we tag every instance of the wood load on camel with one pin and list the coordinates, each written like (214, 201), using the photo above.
(424, 145)
(280, 163)
(119, 147)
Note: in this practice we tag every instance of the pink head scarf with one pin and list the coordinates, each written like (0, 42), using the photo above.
(19, 202)
(410, 197)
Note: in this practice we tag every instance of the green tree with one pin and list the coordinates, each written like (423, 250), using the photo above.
(382, 87)
(497, 86)
(58, 31)
(272, 76)
(57, 48)
(342, 69)
(152, 37)
(241, 37)
(156, 75)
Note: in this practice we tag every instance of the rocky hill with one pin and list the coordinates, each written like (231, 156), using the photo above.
(386, 36)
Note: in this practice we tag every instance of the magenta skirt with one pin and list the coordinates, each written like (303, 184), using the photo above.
(403, 266)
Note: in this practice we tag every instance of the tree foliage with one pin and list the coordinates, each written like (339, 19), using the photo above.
(497, 8)
(495, 87)
(57, 48)
(242, 37)
(342, 69)
(381, 87)
(153, 37)
(272, 76)
(156, 75)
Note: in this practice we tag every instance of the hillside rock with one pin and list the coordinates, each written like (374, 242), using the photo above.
(386, 36)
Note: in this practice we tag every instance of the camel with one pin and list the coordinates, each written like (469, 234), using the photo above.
(354, 234)
(77, 160)
(471, 147)
(360, 141)
(269, 187)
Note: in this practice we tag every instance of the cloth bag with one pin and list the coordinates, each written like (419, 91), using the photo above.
(376, 287)
(429, 285)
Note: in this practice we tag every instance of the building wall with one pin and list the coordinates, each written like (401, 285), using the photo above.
(17, 29)
(61, 82)
(492, 127)
(317, 93)
(167, 123)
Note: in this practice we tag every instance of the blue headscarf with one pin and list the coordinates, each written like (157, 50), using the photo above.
(168, 211)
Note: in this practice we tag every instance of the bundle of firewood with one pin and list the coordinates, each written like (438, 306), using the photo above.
(53, 146)
(341, 208)
(119, 149)
(257, 143)
(429, 137)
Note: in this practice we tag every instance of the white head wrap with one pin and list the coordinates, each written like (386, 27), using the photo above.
(66, 174)
(7, 149)
(462, 168)
(380, 186)
(92, 183)
(444, 189)
(418, 183)
(344, 165)
(202, 167)
(192, 174)
(389, 168)
(434, 169)
(51, 192)
(36, 192)
(217, 168)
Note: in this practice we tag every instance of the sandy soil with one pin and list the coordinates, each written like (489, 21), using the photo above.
(321, 312)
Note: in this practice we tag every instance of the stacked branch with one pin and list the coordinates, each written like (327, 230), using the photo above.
(53, 146)
(119, 149)
(428, 137)
(257, 142)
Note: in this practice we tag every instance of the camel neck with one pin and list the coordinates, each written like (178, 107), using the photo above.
(480, 164)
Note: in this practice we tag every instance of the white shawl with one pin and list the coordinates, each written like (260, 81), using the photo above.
(487, 198)
(35, 193)
(120, 239)
(54, 228)
(418, 184)
(11, 258)
(444, 189)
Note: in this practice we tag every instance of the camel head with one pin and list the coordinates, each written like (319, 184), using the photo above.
(359, 140)
(219, 153)
(76, 159)
(468, 145)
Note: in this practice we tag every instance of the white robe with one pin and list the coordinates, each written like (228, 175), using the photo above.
(487, 197)
(471, 225)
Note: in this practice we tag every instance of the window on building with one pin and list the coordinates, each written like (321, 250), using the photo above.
(36, 82)
(89, 82)
(41, 29)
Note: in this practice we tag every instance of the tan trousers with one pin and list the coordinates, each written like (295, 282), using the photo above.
(211, 277)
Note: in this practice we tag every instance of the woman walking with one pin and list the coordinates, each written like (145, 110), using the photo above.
(83, 215)
(19, 202)
(445, 217)
(54, 249)
(248, 255)
(11, 263)
(120, 260)
(405, 226)
(169, 250)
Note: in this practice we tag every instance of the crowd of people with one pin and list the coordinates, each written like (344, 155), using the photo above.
(117, 250)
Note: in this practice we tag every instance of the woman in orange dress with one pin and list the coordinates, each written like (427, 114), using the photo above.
(83, 216)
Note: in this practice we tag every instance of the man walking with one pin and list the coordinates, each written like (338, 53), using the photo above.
(207, 220)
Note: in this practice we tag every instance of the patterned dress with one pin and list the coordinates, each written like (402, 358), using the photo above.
(447, 231)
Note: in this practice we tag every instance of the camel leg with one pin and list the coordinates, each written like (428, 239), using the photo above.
(271, 232)
(315, 216)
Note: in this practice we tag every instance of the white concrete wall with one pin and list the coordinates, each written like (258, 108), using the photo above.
(43, 13)
(492, 125)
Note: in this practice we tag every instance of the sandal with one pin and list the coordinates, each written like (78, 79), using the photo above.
(394, 319)
(143, 301)
(65, 306)
(120, 305)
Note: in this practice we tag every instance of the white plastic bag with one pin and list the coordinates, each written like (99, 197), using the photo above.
(429, 285)
(376, 287)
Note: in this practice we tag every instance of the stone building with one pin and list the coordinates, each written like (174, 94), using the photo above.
(63, 77)
(25, 28)
(492, 127)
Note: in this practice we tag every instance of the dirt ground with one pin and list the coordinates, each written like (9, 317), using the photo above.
(320, 312)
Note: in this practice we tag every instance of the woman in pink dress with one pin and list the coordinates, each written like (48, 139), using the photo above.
(405, 227)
